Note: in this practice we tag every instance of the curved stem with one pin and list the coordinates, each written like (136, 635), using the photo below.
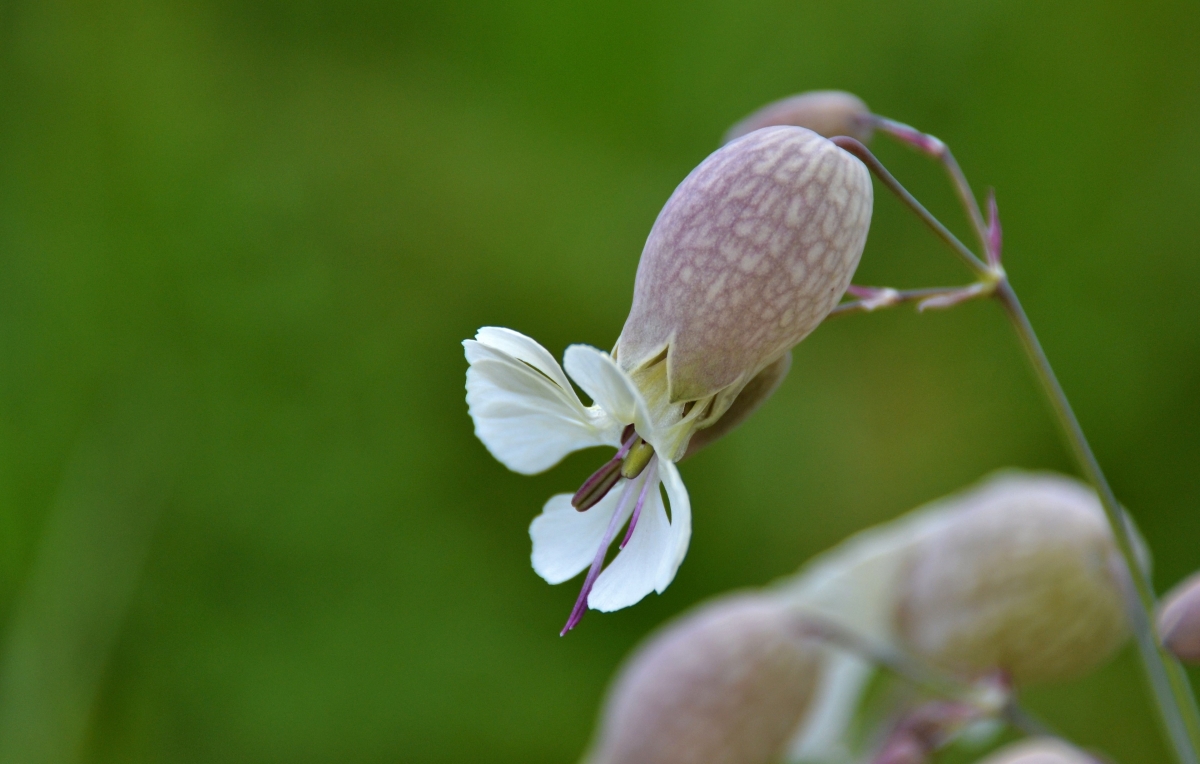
(1169, 683)
(937, 149)
(1172, 691)
(931, 297)
(875, 166)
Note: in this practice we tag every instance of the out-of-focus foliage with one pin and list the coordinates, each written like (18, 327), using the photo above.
(243, 517)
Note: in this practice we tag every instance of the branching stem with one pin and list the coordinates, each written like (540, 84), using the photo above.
(1168, 682)
(875, 166)
(932, 297)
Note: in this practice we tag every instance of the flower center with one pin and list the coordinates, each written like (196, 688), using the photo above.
(631, 458)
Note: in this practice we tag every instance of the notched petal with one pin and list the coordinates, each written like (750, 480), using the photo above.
(526, 420)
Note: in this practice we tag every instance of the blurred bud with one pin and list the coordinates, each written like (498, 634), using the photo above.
(1023, 579)
(749, 254)
(825, 112)
(923, 731)
(1179, 620)
(1042, 750)
(724, 684)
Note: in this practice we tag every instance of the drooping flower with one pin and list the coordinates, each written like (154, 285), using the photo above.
(750, 253)
(527, 413)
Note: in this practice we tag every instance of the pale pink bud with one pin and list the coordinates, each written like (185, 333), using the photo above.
(727, 683)
(1042, 750)
(1179, 620)
(1021, 578)
(825, 112)
(750, 253)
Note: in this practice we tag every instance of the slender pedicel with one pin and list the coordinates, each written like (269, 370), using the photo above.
(938, 150)
(1171, 688)
(863, 154)
(876, 298)
(995, 239)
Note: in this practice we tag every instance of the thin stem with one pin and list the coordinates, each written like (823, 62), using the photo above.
(899, 663)
(926, 677)
(937, 149)
(1172, 691)
(1168, 682)
(887, 298)
(864, 154)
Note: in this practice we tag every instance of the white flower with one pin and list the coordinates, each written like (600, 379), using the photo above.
(750, 253)
(529, 417)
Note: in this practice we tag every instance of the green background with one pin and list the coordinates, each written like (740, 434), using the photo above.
(243, 517)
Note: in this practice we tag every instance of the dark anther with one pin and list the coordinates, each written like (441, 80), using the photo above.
(602, 480)
(598, 485)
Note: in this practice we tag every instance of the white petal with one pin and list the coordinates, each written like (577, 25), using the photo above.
(611, 388)
(632, 574)
(681, 523)
(526, 420)
(565, 541)
(523, 348)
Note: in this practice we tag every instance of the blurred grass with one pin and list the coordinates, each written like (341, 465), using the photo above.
(263, 228)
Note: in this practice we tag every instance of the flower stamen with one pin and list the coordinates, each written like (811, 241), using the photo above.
(651, 479)
(602, 480)
(598, 561)
(636, 460)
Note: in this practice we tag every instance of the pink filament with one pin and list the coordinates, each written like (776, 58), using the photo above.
(598, 561)
(651, 479)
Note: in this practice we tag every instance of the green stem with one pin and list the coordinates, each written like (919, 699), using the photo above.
(1171, 689)
(939, 151)
(874, 165)
(1168, 682)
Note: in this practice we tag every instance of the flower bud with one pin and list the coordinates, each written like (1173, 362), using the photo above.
(727, 683)
(825, 112)
(1042, 750)
(1179, 620)
(1023, 579)
(750, 253)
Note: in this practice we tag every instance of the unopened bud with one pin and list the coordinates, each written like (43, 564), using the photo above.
(1179, 620)
(725, 684)
(1043, 750)
(825, 112)
(1022, 578)
(750, 253)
